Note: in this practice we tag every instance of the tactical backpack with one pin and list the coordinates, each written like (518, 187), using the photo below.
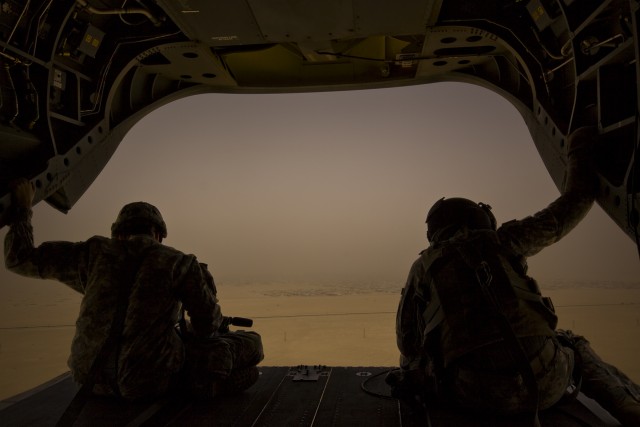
(479, 294)
(474, 293)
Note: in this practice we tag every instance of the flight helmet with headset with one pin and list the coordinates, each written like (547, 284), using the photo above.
(137, 215)
(447, 216)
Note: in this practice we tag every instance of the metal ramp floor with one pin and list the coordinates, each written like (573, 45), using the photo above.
(283, 396)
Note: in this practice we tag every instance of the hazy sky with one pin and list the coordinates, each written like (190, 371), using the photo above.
(331, 186)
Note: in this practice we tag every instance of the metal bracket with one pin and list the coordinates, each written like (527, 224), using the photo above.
(308, 373)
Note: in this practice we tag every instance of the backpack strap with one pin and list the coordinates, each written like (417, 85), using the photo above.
(110, 345)
(433, 315)
(476, 261)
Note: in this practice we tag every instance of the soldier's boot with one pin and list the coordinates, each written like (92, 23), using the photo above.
(628, 415)
(606, 384)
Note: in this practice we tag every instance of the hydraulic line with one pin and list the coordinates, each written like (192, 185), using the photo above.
(122, 11)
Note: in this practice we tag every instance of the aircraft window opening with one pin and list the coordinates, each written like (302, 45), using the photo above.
(473, 39)
(448, 40)
(90, 140)
(464, 62)
(38, 183)
(78, 150)
(49, 177)
(553, 131)
(100, 130)
(562, 143)
(209, 75)
(190, 55)
(66, 161)
(440, 63)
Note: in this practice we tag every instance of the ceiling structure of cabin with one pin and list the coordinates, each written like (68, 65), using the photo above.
(76, 75)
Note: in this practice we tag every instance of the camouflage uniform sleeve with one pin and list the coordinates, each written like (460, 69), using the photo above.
(197, 292)
(529, 236)
(50, 260)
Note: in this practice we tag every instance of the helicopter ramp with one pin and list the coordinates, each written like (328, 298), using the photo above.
(283, 396)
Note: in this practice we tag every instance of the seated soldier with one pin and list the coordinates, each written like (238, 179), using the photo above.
(134, 289)
(474, 330)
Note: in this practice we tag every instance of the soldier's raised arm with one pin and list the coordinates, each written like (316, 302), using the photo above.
(530, 235)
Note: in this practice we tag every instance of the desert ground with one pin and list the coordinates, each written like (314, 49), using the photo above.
(334, 325)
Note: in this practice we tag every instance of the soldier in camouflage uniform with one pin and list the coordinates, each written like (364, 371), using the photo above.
(448, 354)
(149, 358)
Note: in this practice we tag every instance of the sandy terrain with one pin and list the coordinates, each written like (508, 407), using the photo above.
(301, 324)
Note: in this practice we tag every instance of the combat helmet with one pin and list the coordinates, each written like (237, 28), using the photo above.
(447, 216)
(137, 215)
